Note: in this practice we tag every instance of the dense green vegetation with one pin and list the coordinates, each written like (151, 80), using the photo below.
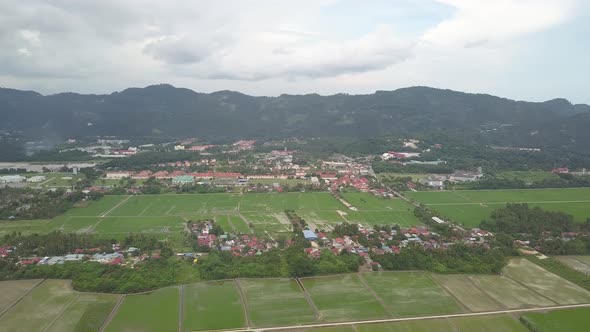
(458, 258)
(25, 203)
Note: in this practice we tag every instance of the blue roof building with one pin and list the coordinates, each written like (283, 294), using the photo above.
(309, 235)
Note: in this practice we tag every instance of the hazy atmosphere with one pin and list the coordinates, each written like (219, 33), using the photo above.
(521, 49)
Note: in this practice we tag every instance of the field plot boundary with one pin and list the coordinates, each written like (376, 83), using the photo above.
(244, 302)
(375, 295)
(61, 312)
(113, 313)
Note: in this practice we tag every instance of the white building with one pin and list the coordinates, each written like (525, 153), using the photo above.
(179, 147)
(36, 178)
(12, 178)
(117, 175)
(435, 181)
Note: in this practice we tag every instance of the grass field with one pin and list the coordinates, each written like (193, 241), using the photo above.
(37, 310)
(340, 297)
(411, 294)
(470, 207)
(156, 311)
(165, 216)
(571, 320)
(212, 306)
(276, 302)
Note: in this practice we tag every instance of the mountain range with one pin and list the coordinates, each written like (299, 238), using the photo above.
(164, 110)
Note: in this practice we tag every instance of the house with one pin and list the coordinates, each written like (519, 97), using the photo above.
(142, 175)
(560, 170)
(183, 179)
(179, 147)
(309, 235)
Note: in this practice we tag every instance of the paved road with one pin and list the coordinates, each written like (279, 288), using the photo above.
(392, 320)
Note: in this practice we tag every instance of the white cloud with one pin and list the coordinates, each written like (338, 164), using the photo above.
(480, 22)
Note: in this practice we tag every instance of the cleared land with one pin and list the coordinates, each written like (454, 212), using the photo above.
(545, 282)
(212, 306)
(411, 294)
(38, 309)
(275, 302)
(580, 263)
(165, 216)
(156, 311)
(470, 207)
(339, 298)
(571, 320)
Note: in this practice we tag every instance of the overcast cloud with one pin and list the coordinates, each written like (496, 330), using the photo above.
(523, 49)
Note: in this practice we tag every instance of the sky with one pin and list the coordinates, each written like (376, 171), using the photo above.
(532, 50)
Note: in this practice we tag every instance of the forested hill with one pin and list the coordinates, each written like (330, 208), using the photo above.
(166, 110)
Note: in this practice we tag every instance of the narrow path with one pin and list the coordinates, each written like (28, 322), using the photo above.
(246, 222)
(244, 303)
(20, 299)
(233, 227)
(60, 313)
(364, 282)
(316, 312)
(112, 314)
(116, 206)
(180, 307)
(418, 318)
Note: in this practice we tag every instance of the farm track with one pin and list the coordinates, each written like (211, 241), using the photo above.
(501, 203)
(316, 312)
(112, 314)
(417, 318)
(61, 312)
(244, 303)
(180, 307)
(116, 206)
(463, 306)
(500, 304)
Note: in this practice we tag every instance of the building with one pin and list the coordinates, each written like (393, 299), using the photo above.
(117, 175)
(179, 147)
(435, 181)
(465, 176)
(12, 178)
(309, 235)
(36, 178)
(183, 179)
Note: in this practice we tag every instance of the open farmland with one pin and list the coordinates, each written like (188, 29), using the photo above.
(212, 306)
(14, 290)
(275, 302)
(340, 297)
(156, 311)
(40, 308)
(545, 283)
(571, 320)
(165, 216)
(411, 293)
(259, 303)
(470, 207)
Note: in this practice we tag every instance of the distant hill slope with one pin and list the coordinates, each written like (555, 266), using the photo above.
(166, 110)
